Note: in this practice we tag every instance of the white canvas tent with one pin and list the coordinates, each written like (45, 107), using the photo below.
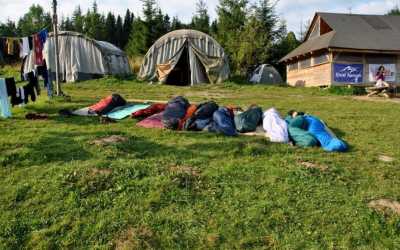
(185, 57)
(81, 58)
(266, 74)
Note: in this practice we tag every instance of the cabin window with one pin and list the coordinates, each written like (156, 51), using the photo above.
(293, 66)
(305, 63)
(320, 59)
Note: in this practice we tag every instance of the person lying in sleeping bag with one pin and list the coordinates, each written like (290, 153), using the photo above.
(107, 104)
(174, 112)
(152, 110)
(276, 128)
(324, 135)
(223, 123)
(202, 117)
(297, 127)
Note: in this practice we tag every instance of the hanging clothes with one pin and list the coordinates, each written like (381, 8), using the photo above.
(5, 110)
(43, 36)
(10, 46)
(11, 90)
(30, 41)
(38, 48)
(33, 81)
(24, 51)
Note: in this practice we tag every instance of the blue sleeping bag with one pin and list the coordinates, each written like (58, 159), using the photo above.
(324, 135)
(223, 123)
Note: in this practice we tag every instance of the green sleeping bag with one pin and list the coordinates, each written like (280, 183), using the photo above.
(249, 120)
(298, 132)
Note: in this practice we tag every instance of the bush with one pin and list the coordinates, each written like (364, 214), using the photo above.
(347, 91)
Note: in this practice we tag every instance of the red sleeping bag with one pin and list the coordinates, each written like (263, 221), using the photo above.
(154, 121)
(107, 104)
(153, 109)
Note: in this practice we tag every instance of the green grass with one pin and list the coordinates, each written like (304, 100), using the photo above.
(60, 191)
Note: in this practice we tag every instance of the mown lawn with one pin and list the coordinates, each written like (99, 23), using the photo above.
(181, 190)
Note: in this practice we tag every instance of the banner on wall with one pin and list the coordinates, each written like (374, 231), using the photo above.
(390, 72)
(348, 73)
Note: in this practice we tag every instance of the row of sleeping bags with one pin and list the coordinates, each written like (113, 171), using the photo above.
(179, 114)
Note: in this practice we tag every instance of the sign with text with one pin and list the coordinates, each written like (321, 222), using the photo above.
(348, 73)
(390, 72)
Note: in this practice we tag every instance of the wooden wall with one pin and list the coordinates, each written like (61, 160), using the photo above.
(319, 75)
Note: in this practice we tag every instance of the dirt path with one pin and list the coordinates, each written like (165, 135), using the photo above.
(377, 99)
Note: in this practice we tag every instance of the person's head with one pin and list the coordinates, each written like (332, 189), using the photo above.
(381, 69)
(293, 113)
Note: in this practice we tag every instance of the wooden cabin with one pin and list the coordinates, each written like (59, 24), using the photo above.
(346, 49)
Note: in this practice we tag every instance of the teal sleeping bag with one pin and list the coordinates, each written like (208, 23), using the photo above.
(298, 132)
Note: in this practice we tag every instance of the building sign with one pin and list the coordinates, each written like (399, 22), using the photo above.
(390, 72)
(348, 73)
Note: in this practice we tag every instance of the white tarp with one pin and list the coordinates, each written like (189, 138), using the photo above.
(390, 72)
(208, 62)
(82, 58)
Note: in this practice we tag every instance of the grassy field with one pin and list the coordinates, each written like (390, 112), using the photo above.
(181, 190)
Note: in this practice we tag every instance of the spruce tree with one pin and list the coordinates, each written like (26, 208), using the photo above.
(110, 28)
(201, 19)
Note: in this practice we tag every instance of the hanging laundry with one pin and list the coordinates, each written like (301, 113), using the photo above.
(37, 44)
(33, 81)
(30, 41)
(43, 36)
(5, 110)
(11, 89)
(24, 51)
(10, 46)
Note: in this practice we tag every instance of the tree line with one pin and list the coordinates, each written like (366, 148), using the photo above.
(251, 32)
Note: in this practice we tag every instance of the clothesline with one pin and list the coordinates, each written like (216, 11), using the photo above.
(16, 38)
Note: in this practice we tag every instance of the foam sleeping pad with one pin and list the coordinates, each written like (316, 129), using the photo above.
(125, 111)
(324, 135)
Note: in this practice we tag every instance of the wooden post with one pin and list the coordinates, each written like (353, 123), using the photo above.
(57, 61)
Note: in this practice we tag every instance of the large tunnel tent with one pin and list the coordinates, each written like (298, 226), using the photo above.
(185, 57)
(81, 58)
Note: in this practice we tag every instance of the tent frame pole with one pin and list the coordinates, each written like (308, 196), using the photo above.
(57, 54)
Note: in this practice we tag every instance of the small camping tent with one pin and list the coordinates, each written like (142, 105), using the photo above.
(185, 57)
(81, 58)
(266, 74)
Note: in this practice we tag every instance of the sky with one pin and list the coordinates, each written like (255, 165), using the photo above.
(294, 12)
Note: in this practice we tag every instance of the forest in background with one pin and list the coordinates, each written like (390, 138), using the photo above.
(251, 33)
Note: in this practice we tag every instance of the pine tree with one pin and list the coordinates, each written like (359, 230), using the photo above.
(231, 22)
(176, 24)
(78, 20)
(118, 32)
(95, 26)
(201, 19)
(137, 44)
(395, 11)
(127, 28)
(111, 28)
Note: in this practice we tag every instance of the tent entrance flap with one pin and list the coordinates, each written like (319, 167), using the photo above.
(180, 74)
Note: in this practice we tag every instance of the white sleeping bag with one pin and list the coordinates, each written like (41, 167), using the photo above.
(275, 126)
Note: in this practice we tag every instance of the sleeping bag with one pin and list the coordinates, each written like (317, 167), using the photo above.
(154, 121)
(223, 123)
(297, 128)
(275, 126)
(107, 104)
(202, 117)
(153, 109)
(249, 120)
(189, 113)
(174, 112)
(324, 135)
